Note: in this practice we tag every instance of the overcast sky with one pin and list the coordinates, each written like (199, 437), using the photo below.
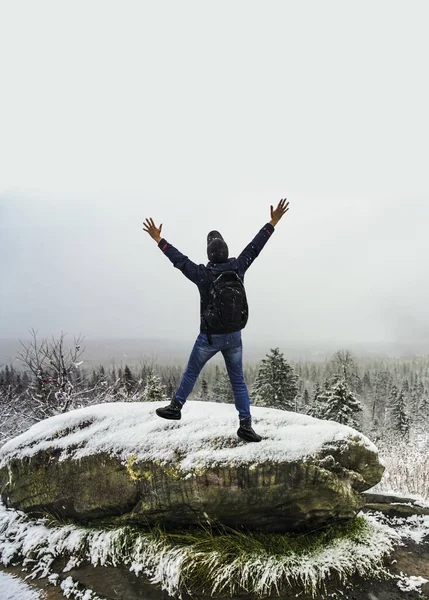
(201, 115)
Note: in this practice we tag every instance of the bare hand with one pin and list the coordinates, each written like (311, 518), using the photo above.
(282, 208)
(154, 232)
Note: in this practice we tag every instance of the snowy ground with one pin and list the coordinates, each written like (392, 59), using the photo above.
(12, 588)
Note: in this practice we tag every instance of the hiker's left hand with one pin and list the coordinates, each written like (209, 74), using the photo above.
(154, 231)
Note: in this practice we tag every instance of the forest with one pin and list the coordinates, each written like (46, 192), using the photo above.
(386, 398)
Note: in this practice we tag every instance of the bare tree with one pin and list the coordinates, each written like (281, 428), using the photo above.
(54, 368)
(343, 363)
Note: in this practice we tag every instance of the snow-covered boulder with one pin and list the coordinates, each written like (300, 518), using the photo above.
(120, 461)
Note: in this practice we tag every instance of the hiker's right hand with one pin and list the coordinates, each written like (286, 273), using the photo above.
(154, 231)
(282, 208)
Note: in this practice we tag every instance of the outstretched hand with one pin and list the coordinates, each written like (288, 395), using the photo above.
(154, 231)
(282, 208)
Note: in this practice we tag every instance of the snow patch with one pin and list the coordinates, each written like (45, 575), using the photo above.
(12, 588)
(206, 435)
(73, 590)
(414, 527)
(411, 583)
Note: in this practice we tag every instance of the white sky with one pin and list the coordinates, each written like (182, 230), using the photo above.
(201, 115)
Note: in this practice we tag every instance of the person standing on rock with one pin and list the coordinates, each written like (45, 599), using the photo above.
(223, 313)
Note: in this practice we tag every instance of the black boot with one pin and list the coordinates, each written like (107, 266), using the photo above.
(172, 411)
(245, 431)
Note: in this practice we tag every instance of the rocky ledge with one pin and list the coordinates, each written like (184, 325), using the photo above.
(121, 462)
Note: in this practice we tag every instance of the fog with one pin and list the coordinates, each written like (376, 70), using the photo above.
(201, 116)
(334, 270)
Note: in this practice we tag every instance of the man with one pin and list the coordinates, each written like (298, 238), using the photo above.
(223, 313)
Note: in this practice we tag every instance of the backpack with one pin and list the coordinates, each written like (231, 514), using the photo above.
(227, 310)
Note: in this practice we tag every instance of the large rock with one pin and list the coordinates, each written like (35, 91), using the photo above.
(120, 461)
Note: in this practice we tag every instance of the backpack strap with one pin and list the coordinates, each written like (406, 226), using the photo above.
(209, 337)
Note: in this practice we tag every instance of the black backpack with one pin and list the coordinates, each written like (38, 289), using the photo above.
(227, 310)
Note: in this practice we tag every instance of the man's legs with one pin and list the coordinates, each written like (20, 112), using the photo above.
(201, 353)
(233, 355)
(232, 350)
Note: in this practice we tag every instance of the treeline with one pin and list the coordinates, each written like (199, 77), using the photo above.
(383, 398)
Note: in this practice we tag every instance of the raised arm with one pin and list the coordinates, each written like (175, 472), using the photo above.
(253, 249)
(191, 270)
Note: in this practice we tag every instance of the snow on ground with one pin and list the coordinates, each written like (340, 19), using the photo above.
(415, 527)
(206, 434)
(411, 583)
(12, 588)
(72, 589)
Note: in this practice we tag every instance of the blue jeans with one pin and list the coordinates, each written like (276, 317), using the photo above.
(231, 346)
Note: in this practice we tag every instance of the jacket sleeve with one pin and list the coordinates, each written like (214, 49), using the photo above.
(196, 273)
(253, 249)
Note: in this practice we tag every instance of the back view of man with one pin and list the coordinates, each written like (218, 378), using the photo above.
(223, 313)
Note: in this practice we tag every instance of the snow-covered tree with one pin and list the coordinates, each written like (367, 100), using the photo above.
(320, 396)
(275, 385)
(380, 394)
(302, 401)
(423, 408)
(204, 390)
(336, 402)
(128, 380)
(399, 420)
(154, 389)
(55, 373)
(222, 389)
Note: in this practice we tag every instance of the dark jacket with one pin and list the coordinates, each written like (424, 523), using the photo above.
(203, 275)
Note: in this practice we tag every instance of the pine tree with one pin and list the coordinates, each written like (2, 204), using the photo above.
(8, 375)
(418, 402)
(128, 380)
(204, 391)
(423, 410)
(336, 402)
(399, 420)
(305, 401)
(366, 381)
(414, 401)
(154, 389)
(222, 389)
(320, 397)
(316, 392)
(380, 394)
(275, 385)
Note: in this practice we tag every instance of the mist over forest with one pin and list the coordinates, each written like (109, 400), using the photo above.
(107, 352)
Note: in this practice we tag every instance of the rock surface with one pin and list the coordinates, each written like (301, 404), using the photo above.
(120, 461)
(396, 505)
